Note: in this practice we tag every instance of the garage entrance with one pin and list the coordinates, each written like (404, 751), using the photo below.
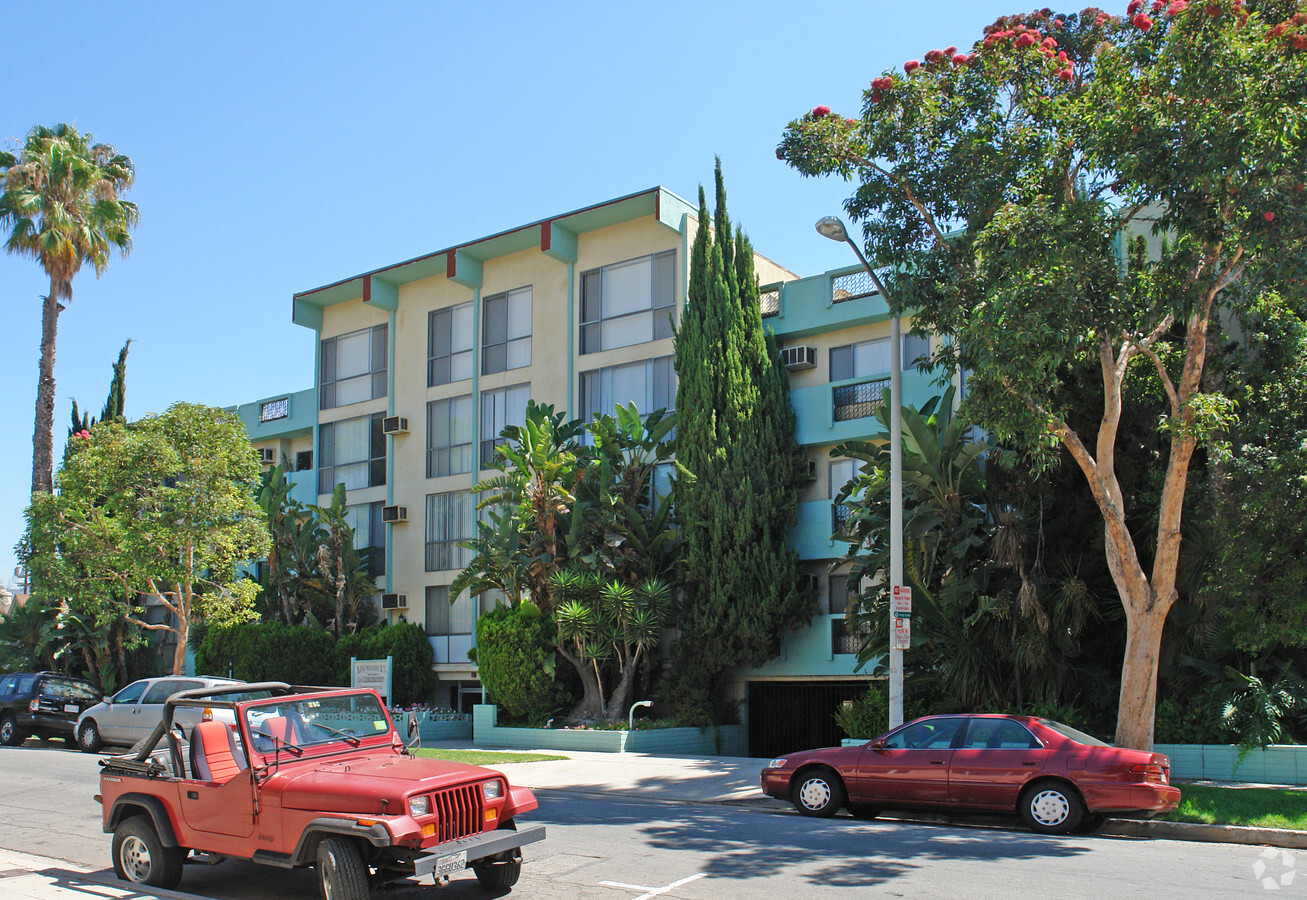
(785, 716)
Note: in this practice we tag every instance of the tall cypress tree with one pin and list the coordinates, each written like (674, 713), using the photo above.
(114, 403)
(735, 434)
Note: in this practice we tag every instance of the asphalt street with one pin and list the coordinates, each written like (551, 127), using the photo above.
(611, 848)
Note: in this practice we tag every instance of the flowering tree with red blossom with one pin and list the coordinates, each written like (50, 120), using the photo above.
(1088, 190)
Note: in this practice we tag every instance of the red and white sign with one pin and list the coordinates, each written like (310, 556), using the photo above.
(901, 637)
(900, 601)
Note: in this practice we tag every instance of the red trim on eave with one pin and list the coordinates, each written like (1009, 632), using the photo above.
(450, 268)
(546, 235)
(367, 288)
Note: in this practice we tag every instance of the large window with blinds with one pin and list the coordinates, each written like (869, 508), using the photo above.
(451, 519)
(649, 383)
(451, 436)
(499, 409)
(351, 452)
(353, 367)
(627, 303)
(506, 331)
(449, 344)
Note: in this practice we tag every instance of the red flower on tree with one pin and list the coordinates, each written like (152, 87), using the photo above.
(819, 112)
(1142, 22)
(911, 66)
(1270, 216)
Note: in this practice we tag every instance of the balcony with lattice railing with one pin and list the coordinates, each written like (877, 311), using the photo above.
(857, 401)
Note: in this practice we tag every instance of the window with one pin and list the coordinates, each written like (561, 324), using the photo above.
(449, 344)
(506, 331)
(932, 734)
(841, 473)
(451, 519)
(369, 535)
(628, 303)
(353, 453)
(354, 367)
(867, 359)
(499, 409)
(303, 460)
(274, 409)
(131, 693)
(650, 384)
(998, 734)
(162, 690)
(451, 432)
(837, 594)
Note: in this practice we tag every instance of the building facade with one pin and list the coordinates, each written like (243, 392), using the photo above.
(421, 364)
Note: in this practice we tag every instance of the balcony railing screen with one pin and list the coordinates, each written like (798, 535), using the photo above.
(857, 401)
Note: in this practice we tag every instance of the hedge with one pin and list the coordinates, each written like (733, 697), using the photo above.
(298, 655)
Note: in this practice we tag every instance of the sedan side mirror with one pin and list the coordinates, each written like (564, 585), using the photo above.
(878, 744)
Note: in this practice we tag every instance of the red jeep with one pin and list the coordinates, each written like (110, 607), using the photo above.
(307, 777)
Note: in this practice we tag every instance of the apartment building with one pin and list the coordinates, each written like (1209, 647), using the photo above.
(421, 364)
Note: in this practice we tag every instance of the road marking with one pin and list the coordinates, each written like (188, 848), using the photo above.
(653, 892)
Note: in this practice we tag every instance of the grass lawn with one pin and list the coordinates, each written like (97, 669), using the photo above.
(484, 757)
(1260, 807)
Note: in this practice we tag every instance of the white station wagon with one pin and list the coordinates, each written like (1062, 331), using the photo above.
(131, 714)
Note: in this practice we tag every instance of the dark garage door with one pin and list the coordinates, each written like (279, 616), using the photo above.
(785, 716)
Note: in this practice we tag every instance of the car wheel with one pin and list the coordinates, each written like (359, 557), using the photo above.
(341, 872)
(498, 876)
(10, 736)
(818, 793)
(88, 737)
(140, 857)
(1051, 808)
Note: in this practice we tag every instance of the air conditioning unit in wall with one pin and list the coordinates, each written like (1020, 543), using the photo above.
(795, 358)
(394, 601)
(268, 456)
(394, 513)
(395, 425)
(810, 470)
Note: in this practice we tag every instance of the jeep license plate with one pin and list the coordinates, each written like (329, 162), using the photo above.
(451, 865)
(70, 707)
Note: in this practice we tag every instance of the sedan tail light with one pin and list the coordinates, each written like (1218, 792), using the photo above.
(1150, 771)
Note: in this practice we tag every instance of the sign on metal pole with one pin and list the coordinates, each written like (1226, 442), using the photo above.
(901, 638)
(900, 601)
(372, 673)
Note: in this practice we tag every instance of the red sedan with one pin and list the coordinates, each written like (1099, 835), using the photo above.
(1057, 778)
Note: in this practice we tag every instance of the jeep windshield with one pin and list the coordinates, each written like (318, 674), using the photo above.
(296, 722)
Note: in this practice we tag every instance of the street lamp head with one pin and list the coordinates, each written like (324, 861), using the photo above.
(831, 227)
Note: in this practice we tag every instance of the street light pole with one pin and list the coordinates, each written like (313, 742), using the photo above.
(831, 227)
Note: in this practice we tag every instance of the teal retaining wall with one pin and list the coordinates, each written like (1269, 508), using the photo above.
(436, 726)
(1278, 764)
(727, 740)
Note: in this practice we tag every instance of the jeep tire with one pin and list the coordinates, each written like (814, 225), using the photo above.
(341, 871)
(141, 858)
(498, 876)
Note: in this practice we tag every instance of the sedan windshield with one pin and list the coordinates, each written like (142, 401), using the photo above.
(298, 722)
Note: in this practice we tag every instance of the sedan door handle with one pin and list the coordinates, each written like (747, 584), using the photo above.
(937, 762)
(1031, 763)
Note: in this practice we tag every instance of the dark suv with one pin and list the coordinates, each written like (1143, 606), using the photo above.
(46, 704)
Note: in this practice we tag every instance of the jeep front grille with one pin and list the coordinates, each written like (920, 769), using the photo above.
(459, 812)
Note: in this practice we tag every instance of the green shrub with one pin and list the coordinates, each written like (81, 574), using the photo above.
(515, 659)
(412, 680)
(868, 716)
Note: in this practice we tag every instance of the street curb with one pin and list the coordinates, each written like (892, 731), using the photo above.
(1212, 834)
(1137, 828)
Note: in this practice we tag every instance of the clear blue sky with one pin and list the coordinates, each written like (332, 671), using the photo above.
(283, 146)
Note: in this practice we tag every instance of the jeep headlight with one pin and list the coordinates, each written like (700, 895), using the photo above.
(419, 806)
(493, 790)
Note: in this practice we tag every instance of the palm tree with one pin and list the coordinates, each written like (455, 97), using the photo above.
(61, 204)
